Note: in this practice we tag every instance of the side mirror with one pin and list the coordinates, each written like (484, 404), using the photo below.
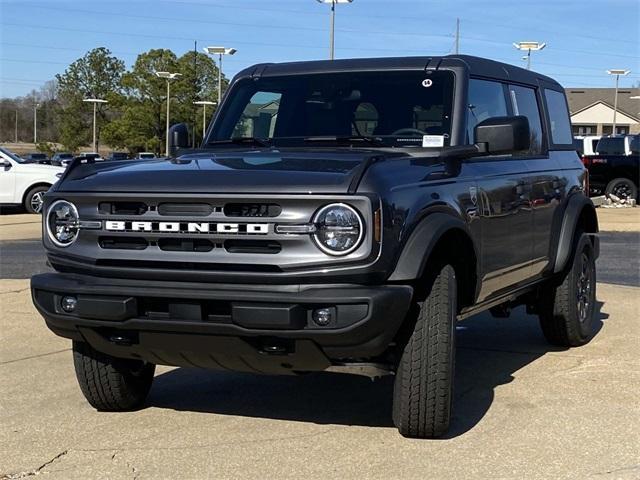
(178, 138)
(6, 164)
(503, 135)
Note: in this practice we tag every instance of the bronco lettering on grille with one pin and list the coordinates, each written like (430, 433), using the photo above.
(186, 227)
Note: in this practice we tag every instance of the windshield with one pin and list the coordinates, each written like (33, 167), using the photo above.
(11, 155)
(392, 108)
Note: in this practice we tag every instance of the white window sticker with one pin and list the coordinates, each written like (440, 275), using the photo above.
(433, 140)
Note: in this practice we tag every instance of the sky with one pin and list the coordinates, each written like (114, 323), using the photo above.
(40, 38)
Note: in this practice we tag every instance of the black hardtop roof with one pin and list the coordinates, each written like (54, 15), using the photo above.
(476, 66)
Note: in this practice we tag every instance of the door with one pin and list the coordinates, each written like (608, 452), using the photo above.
(546, 185)
(7, 180)
(504, 194)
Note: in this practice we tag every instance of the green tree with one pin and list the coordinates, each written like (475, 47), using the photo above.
(97, 74)
(141, 125)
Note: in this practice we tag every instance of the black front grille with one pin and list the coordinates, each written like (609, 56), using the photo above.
(187, 209)
(252, 246)
(123, 208)
(187, 245)
(123, 243)
(252, 210)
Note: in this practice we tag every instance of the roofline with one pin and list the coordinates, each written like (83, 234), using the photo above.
(571, 114)
(474, 65)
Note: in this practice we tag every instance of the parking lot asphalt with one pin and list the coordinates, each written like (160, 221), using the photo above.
(522, 409)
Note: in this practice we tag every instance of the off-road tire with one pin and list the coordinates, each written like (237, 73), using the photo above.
(627, 187)
(111, 384)
(423, 388)
(29, 199)
(563, 324)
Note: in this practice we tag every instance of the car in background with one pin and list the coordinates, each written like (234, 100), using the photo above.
(586, 145)
(614, 169)
(615, 145)
(36, 157)
(25, 183)
(118, 156)
(143, 155)
(61, 159)
(90, 156)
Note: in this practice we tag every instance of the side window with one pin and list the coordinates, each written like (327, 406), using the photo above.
(524, 102)
(486, 100)
(365, 119)
(558, 117)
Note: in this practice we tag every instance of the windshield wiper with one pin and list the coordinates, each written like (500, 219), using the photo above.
(263, 142)
(346, 138)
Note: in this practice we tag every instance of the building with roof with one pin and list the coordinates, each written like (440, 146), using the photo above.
(592, 110)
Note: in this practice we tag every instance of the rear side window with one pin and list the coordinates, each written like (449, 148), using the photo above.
(611, 146)
(524, 103)
(558, 118)
(486, 100)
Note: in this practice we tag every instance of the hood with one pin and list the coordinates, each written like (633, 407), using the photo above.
(236, 171)
(39, 168)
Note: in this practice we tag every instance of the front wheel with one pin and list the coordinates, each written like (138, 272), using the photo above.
(567, 310)
(34, 199)
(111, 384)
(423, 388)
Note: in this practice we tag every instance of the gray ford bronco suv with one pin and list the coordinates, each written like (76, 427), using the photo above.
(339, 216)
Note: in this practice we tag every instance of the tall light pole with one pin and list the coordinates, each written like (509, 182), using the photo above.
(220, 51)
(95, 102)
(333, 23)
(529, 46)
(168, 76)
(35, 122)
(617, 73)
(204, 104)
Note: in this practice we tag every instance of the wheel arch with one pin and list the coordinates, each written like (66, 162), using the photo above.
(579, 213)
(440, 238)
(31, 187)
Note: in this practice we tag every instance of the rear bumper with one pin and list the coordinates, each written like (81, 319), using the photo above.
(260, 328)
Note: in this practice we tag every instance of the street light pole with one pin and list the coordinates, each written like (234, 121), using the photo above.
(617, 73)
(332, 24)
(528, 47)
(220, 51)
(204, 104)
(35, 123)
(168, 76)
(95, 102)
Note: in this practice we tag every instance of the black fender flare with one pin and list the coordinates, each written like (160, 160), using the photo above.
(421, 243)
(575, 206)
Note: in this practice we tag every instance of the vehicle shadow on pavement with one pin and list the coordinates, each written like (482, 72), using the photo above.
(489, 352)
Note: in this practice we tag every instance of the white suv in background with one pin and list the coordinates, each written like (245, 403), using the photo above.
(23, 183)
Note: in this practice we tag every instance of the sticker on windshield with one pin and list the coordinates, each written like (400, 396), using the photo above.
(433, 140)
(427, 82)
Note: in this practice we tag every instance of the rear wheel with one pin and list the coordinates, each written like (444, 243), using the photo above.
(34, 199)
(423, 388)
(623, 188)
(567, 310)
(109, 383)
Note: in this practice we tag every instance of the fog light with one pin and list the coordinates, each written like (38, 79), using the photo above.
(69, 303)
(322, 316)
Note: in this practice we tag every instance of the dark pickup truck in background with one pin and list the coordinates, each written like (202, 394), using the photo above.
(614, 170)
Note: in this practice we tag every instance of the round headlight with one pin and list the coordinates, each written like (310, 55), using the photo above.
(339, 229)
(62, 223)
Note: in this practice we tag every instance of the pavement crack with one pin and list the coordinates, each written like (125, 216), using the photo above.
(34, 356)
(15, 291)
(37, 471)
(618, 470)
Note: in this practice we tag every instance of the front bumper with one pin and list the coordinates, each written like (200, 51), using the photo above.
(255, 328)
